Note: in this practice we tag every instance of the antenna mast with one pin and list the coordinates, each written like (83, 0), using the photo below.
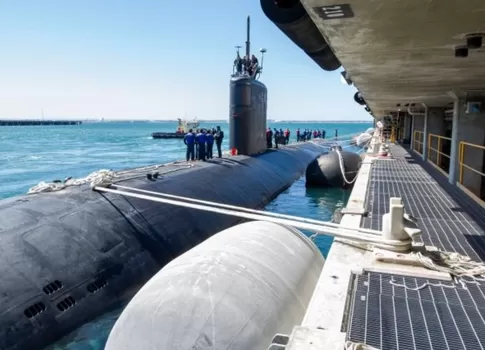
(248, 42)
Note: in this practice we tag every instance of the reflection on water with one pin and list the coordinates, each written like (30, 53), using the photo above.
(91, 336)
(312, 203)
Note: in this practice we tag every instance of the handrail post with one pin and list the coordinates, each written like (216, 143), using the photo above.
(425, 133)
(429, 147)
(461, 161)
(438, 154)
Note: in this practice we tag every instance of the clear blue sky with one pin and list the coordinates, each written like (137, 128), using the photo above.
(155, 59)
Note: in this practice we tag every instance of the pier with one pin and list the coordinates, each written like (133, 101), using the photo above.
(393, 305)
(423, 79)
(27, 122)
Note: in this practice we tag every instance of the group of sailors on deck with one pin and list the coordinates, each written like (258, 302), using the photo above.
(308, 134)
(283, 137)
(248, 65)
(201, 142)
(279, 136)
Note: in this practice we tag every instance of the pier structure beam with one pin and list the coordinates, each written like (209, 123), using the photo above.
(455, 141)
(425, 133)
(467, 126)
(434, 125)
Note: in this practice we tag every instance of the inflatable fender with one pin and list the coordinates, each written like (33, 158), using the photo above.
(235, 290)
(325, 171)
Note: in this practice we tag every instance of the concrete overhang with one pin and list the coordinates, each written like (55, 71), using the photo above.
(403, 52)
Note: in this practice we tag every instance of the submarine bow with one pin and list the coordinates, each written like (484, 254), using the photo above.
(293, 20)
(67, 257)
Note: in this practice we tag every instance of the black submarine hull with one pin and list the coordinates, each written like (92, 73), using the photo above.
(69, 256)
(247, 118)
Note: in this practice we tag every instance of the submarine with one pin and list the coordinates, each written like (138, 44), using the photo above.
(73, 254)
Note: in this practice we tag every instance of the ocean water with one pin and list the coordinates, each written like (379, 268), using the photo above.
(32, 154)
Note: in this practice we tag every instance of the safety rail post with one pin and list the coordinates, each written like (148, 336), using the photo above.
(438, 156)
(429, 146)
(418, 142)
(437, 151)
(425, 133)
(462, 166)
(461, 153)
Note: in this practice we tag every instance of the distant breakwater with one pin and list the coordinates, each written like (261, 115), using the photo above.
(38, 122)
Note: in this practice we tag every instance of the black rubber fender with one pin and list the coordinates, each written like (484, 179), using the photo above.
(325, 171)
(359, 99)
(293, 20)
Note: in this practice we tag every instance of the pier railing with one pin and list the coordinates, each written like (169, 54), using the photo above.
(439, 149)
(418, 141)
(472, 176)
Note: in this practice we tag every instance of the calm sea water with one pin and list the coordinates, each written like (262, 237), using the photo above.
(32, 154)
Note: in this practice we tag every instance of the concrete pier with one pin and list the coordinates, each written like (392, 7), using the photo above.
(362, 300)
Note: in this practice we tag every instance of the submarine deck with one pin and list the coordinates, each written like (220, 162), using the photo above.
(69, 256)
(392, 306)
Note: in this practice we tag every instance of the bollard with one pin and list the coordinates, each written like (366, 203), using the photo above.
(382, 150)
(395, 226)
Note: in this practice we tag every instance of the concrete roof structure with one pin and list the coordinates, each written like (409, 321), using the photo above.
(403, 51)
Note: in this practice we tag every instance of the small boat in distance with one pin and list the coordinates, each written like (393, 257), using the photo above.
(183, 127)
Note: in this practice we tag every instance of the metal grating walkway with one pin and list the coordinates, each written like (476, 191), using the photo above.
(442, 315)
(445, 223)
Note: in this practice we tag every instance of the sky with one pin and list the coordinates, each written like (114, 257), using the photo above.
(152, 59)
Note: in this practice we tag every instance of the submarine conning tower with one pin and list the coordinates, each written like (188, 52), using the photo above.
(248, 104)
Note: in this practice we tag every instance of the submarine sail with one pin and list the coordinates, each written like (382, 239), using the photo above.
(248, 103)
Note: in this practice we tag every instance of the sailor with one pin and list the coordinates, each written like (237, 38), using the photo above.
(238, 63)
(276, 135)
(323, 133)
(219, 137)
(200, 138)
(197, 131)
(253, 66)
(269, 138)
(210, 143)
(189, 140)
(287, 136)
(298, 135)
(246, 64)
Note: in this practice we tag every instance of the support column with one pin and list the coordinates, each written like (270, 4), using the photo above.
(454, 142)
(425, 134)
(412, 130)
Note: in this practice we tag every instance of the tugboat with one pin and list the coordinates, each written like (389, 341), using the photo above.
(183, 126)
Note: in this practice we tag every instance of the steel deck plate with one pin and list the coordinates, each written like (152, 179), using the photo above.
(394, 312)
(439, 315)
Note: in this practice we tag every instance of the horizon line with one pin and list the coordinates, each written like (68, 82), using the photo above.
(174, 120)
